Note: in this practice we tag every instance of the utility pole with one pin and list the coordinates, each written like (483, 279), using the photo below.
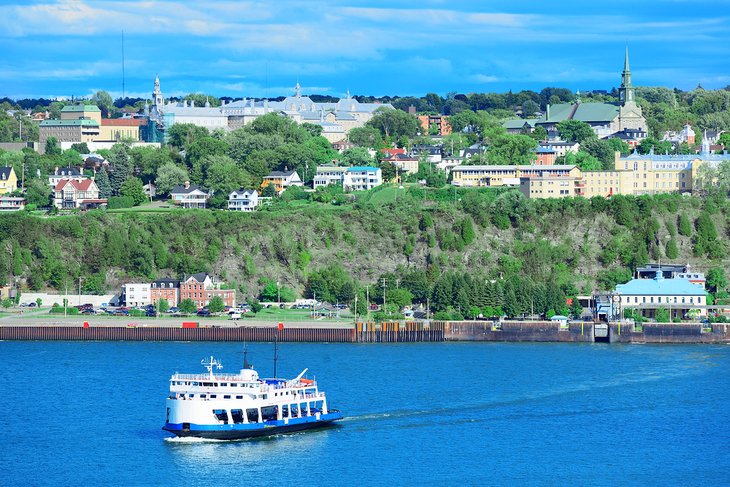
(383, 294)
(80, 279)
(367, 301)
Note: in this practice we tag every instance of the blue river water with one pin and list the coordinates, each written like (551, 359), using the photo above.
(417, 414)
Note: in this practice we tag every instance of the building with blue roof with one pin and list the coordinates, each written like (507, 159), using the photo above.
(680, 297)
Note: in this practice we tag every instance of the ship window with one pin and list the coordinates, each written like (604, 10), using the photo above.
(294, 410)
(191, 395)
(239, 397)
(224, 384)
(237, 415)
(221, 415)
(195, 383)
(213, 396)
(252, 415)
(285, 411)
(226, 397)
(207, 384)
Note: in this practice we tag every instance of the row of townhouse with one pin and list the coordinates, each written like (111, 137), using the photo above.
(200, 288)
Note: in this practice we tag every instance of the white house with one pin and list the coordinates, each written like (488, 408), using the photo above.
(282, 180)
(679, 297)
(189, 196)
(243, 200)
(137, 294)
(362, 178)
(329, 174)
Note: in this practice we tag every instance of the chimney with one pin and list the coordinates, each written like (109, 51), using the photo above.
(187, 184)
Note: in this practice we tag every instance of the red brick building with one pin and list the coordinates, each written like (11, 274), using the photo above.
(167, 289)
(200, 289)
(439, 122)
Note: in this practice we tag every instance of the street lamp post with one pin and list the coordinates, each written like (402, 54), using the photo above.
(80, 279)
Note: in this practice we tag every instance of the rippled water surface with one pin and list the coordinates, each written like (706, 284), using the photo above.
(417, 414)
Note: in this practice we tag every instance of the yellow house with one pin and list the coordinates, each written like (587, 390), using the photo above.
(8, 180)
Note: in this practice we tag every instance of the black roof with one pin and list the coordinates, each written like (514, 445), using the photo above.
(166, 283)
(200, 276)
(67, 171)
(184, 190)
(5, 172)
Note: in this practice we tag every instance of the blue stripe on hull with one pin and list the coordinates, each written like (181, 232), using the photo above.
(251, 430)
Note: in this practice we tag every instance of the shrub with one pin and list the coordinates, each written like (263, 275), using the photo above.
(116, 202)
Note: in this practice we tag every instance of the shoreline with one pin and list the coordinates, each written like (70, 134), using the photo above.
(125, 329)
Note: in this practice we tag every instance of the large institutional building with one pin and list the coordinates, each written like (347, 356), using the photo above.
(336, 119)
(623, 119)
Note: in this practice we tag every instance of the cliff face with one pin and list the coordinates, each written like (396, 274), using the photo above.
(588, 244)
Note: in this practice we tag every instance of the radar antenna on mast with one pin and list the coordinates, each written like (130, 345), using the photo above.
(210, 363)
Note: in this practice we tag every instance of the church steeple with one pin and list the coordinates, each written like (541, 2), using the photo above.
(626, 92)
(298, 90)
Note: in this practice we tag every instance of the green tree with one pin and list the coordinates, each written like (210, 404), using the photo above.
(52, 147)
(393, 123)
(181, 135)
(187, 306)
(583, 160)
(81, 148)
(357, 156)
(671, 249)
(367, 137)
(224, 176)
(104, 101)
(662, 315)
(169, 176)
(512, 150)
(575, 131)
(716, 280)
(685, 227)
(120, 166)
(216, 304)
(162, 306)
(103, 183)
(133, 188)
(269, 191)
(254, 305)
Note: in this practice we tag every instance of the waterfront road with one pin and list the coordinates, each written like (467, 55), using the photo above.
(44, 318)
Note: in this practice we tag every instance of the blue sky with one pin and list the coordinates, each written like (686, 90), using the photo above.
(261, 48)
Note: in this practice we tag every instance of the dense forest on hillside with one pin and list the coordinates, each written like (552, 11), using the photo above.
(465, 251)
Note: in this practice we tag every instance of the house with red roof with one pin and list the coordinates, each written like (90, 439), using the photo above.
(73, 193)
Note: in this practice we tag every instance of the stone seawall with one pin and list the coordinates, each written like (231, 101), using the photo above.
(670, 333)
(518, 331)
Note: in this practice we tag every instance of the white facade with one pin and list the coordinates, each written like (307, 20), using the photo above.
(362, 178)
(137, 294)
(243, 200)
(327, 175)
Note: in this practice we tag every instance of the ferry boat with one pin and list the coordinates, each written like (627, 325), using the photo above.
(236, 406)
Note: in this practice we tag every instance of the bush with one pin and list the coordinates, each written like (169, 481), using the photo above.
(116, 202)
(56, 309)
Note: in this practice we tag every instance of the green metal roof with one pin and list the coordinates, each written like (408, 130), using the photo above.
(585, 112)
(80, 108)
(68, 123)
(596, 112)
(519, 123)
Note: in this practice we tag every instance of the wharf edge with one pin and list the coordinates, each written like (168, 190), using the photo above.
(391, 332)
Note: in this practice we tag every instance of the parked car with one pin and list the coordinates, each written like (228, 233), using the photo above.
(174, 309)
(203, 312)
(151, 312)
(121, 312)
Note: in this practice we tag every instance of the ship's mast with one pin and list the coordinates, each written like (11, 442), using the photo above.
(276, 350)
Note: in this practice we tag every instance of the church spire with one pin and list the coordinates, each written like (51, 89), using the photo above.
(626, 92)
(298, 90)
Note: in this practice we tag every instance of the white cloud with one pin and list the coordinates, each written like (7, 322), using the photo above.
(484, 78)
